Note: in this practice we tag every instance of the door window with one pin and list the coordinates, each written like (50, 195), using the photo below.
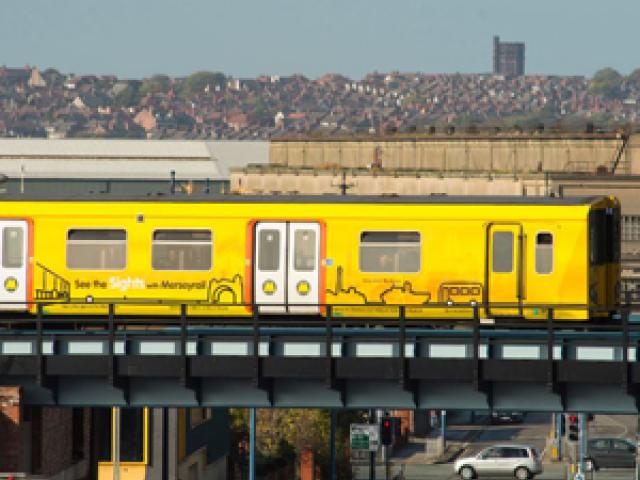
(305, 250)
(12, 247)
(502, 259)
(269, 250)
(491, 453)
(600, 444)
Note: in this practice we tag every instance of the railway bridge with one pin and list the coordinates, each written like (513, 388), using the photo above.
(324, 362)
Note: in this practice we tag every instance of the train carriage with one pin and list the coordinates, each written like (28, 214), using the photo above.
(292, 255)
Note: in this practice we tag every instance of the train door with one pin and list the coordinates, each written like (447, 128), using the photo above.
(286, 276)
(14, 251)
(504, 269)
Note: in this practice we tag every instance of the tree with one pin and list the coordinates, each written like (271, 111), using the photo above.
(196, 83)
(606, 82)
(634, 77)
(285, 433)
(128, 97)
(155, 84)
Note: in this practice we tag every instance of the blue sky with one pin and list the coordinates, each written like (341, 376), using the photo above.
(136, 38)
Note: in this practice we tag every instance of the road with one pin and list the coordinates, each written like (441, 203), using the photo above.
(444, 472)
(533, 431)
(472, 437)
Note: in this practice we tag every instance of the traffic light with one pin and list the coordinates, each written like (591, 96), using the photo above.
(574, 428)
(386, 431)
(562, 425)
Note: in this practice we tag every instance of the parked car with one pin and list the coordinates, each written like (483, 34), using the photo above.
(520, 461)
(610, 452)
(499, 416)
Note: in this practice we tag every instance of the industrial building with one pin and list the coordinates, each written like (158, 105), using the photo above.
(133, 167)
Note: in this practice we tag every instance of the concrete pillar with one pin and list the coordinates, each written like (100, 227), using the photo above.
(172, 426)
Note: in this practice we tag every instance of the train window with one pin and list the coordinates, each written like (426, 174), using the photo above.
(12, 247)
(181, 250)
(397, 252)
(614, 234)
(605, 236)
(94, 249)
(305, 250)
(544, 253)
(502, 252)
(269, 250)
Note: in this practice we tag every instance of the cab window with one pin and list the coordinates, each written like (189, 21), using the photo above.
(96, 249)
(181, 250)
(544, 253)
(604, 236)
(390, 252)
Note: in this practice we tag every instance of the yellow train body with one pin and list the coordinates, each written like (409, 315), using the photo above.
(366, 256)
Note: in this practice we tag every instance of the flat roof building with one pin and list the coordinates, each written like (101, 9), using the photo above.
(123, 166)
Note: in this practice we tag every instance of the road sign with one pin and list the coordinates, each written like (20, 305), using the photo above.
(365, 436)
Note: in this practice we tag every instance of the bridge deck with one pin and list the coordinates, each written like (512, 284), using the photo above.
(323, 362)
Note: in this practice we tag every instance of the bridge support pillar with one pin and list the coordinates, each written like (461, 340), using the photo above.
(443, 430)
(332, 446)
(252, 444)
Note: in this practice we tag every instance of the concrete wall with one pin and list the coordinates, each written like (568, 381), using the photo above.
(633, 154)
(306, 182)
(497, 154)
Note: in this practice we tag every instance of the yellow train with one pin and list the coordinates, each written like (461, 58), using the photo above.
(291, 255)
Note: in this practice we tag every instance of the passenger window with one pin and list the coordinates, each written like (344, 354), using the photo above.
(544, 253)
(305, 250)
(12, 247)
(513, 452)
(269, 250)
(502, 252)
(94, 249)
(181, 250)
(397, 252)
(621, 445)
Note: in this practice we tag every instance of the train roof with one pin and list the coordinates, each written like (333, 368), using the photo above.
(317, 199)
